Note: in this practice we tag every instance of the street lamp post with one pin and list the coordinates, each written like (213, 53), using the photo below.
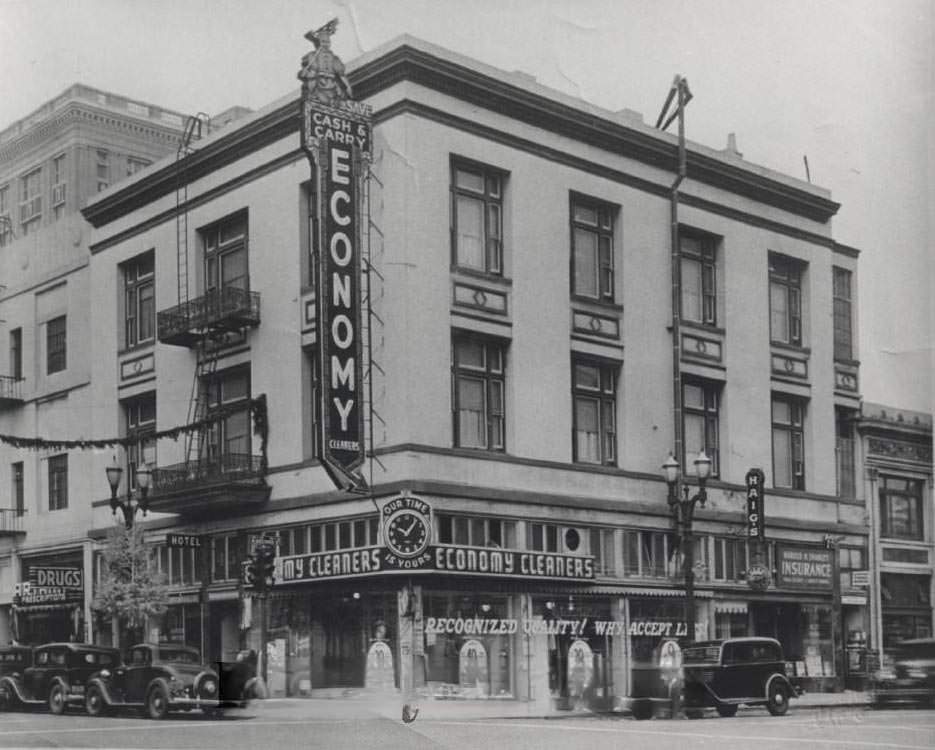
(682, 503)
(130, 505)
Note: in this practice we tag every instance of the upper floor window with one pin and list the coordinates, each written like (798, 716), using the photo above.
(19, 495)
(785, 300)
(649, 554)
(595, 400)
(58, 186)
(604, 549)
(134, 165)
(730, 559)
(228, 398)
(901, 508)
(16, 353)
(542, 537)
(592, 249)
(55, 331)
(324, 537)
(103, 170)
(225, 247)
(139, 300)
(699, 292)
(228, 552)
(700, 417)
(843, 343)
(478, 371)
(788, 442)
(476, 531)
(30, 201)
(6, 221)
(477, 218)
(141, 428)
(58, 482)
(844, 448)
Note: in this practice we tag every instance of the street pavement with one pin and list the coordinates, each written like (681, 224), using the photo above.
(361, 723)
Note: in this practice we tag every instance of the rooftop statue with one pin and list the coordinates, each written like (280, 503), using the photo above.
(322, 72)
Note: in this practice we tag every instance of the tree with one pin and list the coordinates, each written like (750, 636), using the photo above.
(131, 587)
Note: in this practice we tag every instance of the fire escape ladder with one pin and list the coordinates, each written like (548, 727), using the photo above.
(372, 325)
(195, 127)
(205, 368)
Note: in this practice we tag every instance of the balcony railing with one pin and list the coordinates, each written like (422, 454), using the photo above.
(224, 309)
(11, 390)
(11, 521)
(227, 482)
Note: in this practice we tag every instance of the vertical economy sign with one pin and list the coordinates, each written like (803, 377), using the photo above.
(336, 137)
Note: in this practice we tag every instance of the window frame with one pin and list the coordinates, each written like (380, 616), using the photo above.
(842, 314)
(786, 274)
(710, 391)
(706, 259)
(491, 199)
(58, 481)
(604, 229)
(140, 423)
(102, 169)
(139, 276)
(216, 250)
(30, 204)
(492, 378)
(56, 357)
(6, 227)
(18, 478)
(796, 428)
(605, 395)
(915, 492)
(217, 437)
(16, 353)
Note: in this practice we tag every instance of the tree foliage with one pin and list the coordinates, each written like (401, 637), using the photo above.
(131, 587)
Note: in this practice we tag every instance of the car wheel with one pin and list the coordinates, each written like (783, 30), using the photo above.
(642, 709)
(7, 699)
(727, 710)
(57, 699)
(94, 702)
(777, 698)
(157, 702)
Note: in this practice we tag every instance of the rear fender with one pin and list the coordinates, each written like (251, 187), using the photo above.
(103, 687)
(15, 687)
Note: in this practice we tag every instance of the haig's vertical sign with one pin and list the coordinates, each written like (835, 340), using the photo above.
(756, 523)
(336, 135)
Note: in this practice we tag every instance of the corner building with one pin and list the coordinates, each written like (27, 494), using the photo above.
(519, 393)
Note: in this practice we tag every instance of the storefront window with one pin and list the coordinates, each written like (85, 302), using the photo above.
(730, 624)
(467, 665)
(817, 642)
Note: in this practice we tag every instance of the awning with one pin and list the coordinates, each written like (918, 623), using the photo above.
(658, 591)
(27, 609)
(731, 607)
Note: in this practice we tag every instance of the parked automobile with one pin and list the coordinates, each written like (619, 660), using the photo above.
(157, 678)
(910, 678)
(238, 680)
(14, 659)
(57, 676)
(726, 674)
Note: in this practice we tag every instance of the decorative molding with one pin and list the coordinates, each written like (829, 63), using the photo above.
(591, 324)
(845, 380)
(479, 298)
(702, 347)
(788, 366)
(137, 366)
(901, 450)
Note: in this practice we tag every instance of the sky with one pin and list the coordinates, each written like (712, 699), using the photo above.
(847, 83)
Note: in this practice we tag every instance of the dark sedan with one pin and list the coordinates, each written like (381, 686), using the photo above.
(911, 679)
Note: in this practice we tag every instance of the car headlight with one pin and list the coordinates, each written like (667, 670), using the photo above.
(209, 687)
(105, 673)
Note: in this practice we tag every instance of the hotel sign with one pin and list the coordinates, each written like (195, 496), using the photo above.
(336, 136)
(805, 567)
(448, 558)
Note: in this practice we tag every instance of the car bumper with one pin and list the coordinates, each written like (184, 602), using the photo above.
(182, 701)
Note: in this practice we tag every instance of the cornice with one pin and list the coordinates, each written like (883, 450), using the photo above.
(409, 64)
(81, 112)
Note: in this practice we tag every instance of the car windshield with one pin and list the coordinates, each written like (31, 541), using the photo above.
(184, 655)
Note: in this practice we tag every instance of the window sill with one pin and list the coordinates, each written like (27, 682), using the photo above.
(706, 327)
(136, 348)
(596, 304)
(847, 362)
(473, 273)
(791, 347)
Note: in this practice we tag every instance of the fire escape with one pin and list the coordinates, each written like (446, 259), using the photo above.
(214, 476)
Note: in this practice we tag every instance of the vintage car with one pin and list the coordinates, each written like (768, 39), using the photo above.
(238, 680)
(14, 659)
(57, 677)
(729, 673)
(157, 678)
(910, 676)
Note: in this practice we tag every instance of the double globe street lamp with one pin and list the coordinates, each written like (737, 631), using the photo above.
(130, 505)
(682, 504)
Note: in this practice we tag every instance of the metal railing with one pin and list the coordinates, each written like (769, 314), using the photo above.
(221, 469)
(217, 307)
(11, 520)
(11, 388)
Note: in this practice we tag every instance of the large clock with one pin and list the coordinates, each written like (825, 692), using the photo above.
(407, 533)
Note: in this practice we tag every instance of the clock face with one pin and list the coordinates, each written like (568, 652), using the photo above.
(407, 533)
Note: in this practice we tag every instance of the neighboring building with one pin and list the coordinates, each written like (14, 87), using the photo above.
(51, 163)
(897, 449)
(519, 382)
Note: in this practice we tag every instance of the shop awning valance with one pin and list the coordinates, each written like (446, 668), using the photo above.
(658, 591)
(30, 608)
(730, 606)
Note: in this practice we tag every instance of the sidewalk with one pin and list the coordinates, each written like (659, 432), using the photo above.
(390, 707)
